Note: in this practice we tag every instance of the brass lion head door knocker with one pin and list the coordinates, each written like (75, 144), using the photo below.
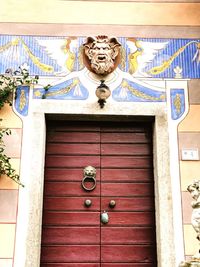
(89, 178)
(102, 55)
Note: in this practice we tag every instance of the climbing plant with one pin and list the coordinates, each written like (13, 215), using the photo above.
(5, 165)
(10, 81)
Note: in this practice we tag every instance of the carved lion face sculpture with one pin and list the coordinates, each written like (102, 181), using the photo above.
(101, 54)
(89, 171)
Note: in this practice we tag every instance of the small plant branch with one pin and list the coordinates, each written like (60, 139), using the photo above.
(46, 88)
(10, 81)
(5, 165)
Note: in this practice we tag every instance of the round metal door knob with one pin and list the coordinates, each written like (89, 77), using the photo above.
(112, 203)
(88, 203)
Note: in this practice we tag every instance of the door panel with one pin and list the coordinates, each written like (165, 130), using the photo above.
(68, 189)
(129, 204)
(124, 253)
(72, 161)
(66, 174)
(70, 218)
(76, 265)
(127, 136)
(125, 162)
(70, 204)
(126, 178)
(71, 231)
(73, 137)
(126, 175)
(127, 235)
(126, 189)
(130, 218)
(120, 265)
(73, 235)
(97, 265)
(125, 149)
(73, 149)
(72, 253)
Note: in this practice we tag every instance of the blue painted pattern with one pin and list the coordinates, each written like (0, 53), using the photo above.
(177, 99)
(149, 57)
(130, 91)
(22, 100)
(68, 90)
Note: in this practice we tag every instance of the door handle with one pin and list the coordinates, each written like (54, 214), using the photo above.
(89, 175)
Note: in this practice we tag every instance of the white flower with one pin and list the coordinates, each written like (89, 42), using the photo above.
(25, 66)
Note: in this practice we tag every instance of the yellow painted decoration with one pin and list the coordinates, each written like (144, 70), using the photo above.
(124, 84)
(80, 57)
(70, 55)
(70, 61)
(14, 42)
(36, 61)
(75, 82)
(123, 58)
(22, 102)
(64, 90)
(37, 93)
(141, 94)
(177, 104)
(133, 57)
(166, 64)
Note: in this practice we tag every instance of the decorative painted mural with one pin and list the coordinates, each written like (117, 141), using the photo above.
(177, 103)
(153, 58)
(59, 60)
(22, 100)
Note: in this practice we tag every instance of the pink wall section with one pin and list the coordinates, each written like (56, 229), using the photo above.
(8, 188)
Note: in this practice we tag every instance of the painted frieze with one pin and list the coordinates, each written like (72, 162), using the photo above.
(133, 69)
(153, 58)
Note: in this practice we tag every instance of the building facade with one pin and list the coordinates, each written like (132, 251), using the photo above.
(155, 87)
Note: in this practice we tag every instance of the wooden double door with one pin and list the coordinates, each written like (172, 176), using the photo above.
(73, 234)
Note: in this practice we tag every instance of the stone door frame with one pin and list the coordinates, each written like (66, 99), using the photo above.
(29, 222)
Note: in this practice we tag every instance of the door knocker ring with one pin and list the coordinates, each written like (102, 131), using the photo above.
(89, 175)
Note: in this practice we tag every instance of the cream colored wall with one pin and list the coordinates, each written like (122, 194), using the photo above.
(189, 128)
(95, 12)
(92, 13)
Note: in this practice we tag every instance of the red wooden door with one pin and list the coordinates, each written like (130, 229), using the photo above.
(73, 234)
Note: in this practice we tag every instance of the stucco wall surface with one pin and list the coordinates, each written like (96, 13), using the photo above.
(189, 138)
(96, 12)
(8, 188)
